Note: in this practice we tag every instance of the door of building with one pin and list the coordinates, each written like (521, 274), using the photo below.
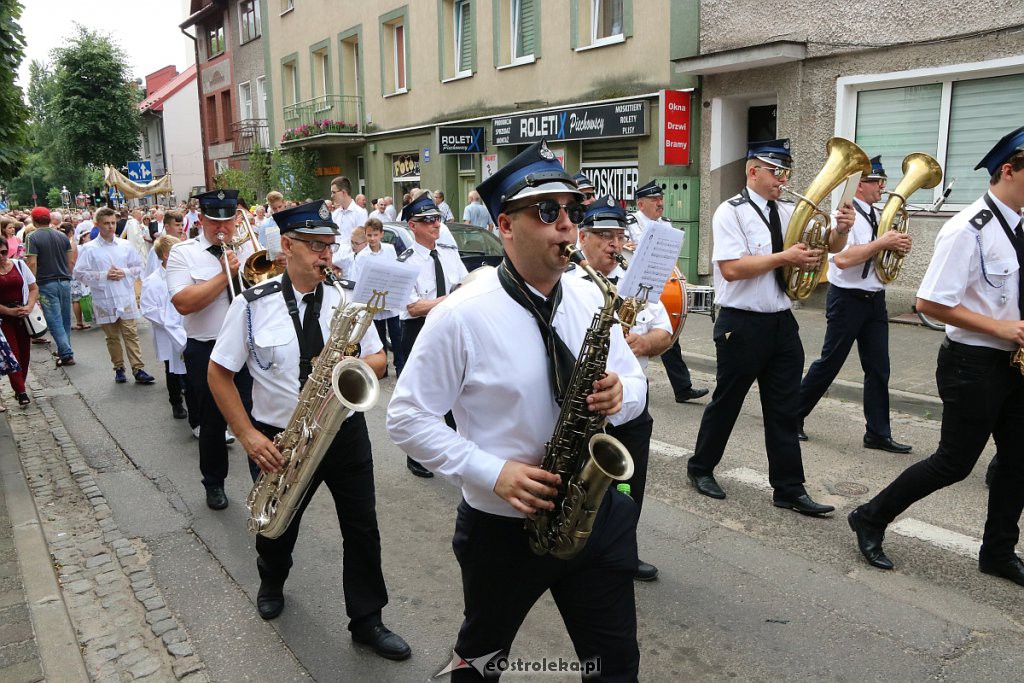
(682, 207)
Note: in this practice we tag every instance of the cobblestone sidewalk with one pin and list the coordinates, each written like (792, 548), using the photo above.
(124, 628)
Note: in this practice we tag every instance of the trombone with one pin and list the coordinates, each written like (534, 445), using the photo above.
(224, 248)
(258, 267)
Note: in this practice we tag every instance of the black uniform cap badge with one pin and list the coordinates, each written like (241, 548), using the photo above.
(546, 153)
(221, 195)
(324, 213)
(611, 202)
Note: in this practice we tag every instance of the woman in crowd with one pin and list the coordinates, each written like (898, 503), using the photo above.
(18, 292)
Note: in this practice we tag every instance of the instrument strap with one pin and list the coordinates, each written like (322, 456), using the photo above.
(776, 233)
(873, 222)
(1017, 240)
(306, 352)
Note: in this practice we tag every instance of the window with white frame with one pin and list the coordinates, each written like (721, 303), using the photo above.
(523, 30)
(245, 100)
(605, 20)
(394, 56)
(321, 74)
(287, 6)
(950, 115)
(463, 38)
(291, 83)
(248, 20)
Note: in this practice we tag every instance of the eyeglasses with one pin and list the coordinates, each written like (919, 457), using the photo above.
(588, 195)
(316, 246)
(609, 235)
(548, 210)
(780, 173)
(426, 220)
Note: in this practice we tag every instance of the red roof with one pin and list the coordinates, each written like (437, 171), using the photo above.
(155, 102)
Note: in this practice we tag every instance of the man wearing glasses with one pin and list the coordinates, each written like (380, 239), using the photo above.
(440, 270)
(756, 335)
(856, 312)
(584, 184)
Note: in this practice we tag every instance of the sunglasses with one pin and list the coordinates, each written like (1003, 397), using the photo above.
(316, 246)
(780, 173)
(548, 209)
(426, 220)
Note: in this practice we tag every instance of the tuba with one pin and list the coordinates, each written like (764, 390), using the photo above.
(920, 170)
(258, 267)
(812, 226)
(586, 460)
(336, 384)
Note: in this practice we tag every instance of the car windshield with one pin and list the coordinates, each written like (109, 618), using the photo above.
(472, 240)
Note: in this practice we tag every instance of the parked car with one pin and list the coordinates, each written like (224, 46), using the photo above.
(477, 246)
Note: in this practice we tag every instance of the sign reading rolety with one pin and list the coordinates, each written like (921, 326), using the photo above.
(461, 140)
(622, 119)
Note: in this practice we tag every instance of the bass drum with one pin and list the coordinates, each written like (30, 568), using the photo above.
(673, 297)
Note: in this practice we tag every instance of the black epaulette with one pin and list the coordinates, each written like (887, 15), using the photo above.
(737, 200)
(445, 245)
(571, 267)
(981, 219)
(404, 256)
(260, 291)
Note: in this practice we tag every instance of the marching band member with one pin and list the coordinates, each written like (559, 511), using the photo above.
(261, 332)
(497, 352)
(973, 284)
(756, 335)
(440, 270)
(584, 184)
(602, 234)
(855, 311)
(200, 276)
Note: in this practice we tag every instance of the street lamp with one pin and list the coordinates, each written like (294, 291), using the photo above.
(65, 197)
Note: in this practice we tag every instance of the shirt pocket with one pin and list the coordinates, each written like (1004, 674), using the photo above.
(759, 240)
(271, 346)
(1000, 274)
(205, 272)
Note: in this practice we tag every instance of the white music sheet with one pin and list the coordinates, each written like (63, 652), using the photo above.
(397, 278)
(653, 261)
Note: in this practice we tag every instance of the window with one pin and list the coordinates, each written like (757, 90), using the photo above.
(948, 115)
(350, 68)
(321, 74)
(518, 37)
(606, 20)
(219, 166)
(248, 20)
(145, 143)
(287, 6)
(467, 163)
(225, 113)
(290, 76)
(600, 22)
(214, 40)
(211, 118)
(245, 101)
(523, 23)
(457, 58)
(394, 63)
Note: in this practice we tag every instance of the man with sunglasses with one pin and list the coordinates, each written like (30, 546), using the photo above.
(602, 235)
(199, 271)
(756, 335)
(498, 353)
(586, 186)
(276, 330)
(441, 269)
(856, 312)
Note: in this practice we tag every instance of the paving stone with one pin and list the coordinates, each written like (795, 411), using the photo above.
(173, 637)
(125, 551)
(158, 615)
(106, 654)
(80, 586)
(121, 543)
(179, 649)
(162, 627)
(186, 665)
(113, 599)
(97, 561)
(153, 603)
(25, 672)
(146, 593)
(145, 667)
(107, 577)
(133, 657)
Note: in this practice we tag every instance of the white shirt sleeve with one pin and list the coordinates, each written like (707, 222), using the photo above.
(634, 383)
(945, 281)
(729, 241)
(232, 349)
(178, 275)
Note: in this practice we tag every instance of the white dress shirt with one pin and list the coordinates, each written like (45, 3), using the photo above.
(275, 390)
(133, 232)
(860, 233)
(738, 231)
(112, 300)
(168, 332)
(426, 282)
(348, 220)
(977, 269)
(190, 263)
(446, 212)
(481, 356)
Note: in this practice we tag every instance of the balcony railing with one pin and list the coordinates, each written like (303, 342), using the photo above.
(247, 134)
(326, 115)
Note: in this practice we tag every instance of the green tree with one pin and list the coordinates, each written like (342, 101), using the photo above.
(97, 113)
(13, 112)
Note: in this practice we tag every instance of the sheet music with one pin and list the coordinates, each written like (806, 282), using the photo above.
(397, 278)
(653, 261)
(849, 191)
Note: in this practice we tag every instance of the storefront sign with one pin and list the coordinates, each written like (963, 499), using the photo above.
(405, 166)
(674, 142)
(328, 170)
(622, 119)
(617, 178)
(461, 140)
(490, 166)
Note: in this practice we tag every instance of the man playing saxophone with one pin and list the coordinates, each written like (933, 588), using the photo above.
(856, 312)
(499, 352)
(277, 329)
(756, 335)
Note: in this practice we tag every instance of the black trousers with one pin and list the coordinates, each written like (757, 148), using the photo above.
(982, 395)
(178, 388)
(213, 452)
(675, 368)
(390, 332)
(854, 316)
(347, 469)
(635, 435)
(502, 579)
(764, 347)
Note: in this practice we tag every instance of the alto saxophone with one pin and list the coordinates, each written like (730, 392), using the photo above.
(337, 383)
(586, 460)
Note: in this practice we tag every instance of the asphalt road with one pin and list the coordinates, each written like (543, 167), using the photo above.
(746, 591)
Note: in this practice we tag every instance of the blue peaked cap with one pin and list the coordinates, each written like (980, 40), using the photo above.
(877, 170)
(218, 204)
(775, 152)
(1010, 144)
(423, 205)
(311, 218)
(605, 212)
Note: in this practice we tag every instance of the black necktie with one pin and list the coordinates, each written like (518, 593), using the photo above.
(870, 215)
(311, 331)
(438, 273)
(775, 228)
(1016, 237)
(218, 253)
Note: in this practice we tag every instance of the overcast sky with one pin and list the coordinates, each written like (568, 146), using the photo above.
(147, 30)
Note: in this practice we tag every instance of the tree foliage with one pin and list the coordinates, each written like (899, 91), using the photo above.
(13, 112)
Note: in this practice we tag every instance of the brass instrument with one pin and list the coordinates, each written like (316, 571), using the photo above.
(586, 460)
(631, 306)
(258, 267)
(1017, 359)
(336, 384)
(227, 265)
(920, 170)
(812, 226)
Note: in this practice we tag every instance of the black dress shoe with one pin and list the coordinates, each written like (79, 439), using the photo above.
(706, 485)
(886, 444)
(645, 572)
(1012, 569)
(690, 394)
(270, 599)
(417, 469)
(802, 504)
(216, 499)
(179, 412)
(801, 435)
(383, 641)
(869, 540)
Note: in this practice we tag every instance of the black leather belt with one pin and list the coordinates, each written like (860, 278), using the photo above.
(859, 293)
(981, 352)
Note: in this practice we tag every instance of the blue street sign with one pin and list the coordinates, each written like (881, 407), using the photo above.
(140, 171)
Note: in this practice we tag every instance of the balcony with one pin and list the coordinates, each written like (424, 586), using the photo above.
(248, 134)
(323, 120)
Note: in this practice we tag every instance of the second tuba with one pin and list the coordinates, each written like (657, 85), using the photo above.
(812, 226)
(920, 170)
